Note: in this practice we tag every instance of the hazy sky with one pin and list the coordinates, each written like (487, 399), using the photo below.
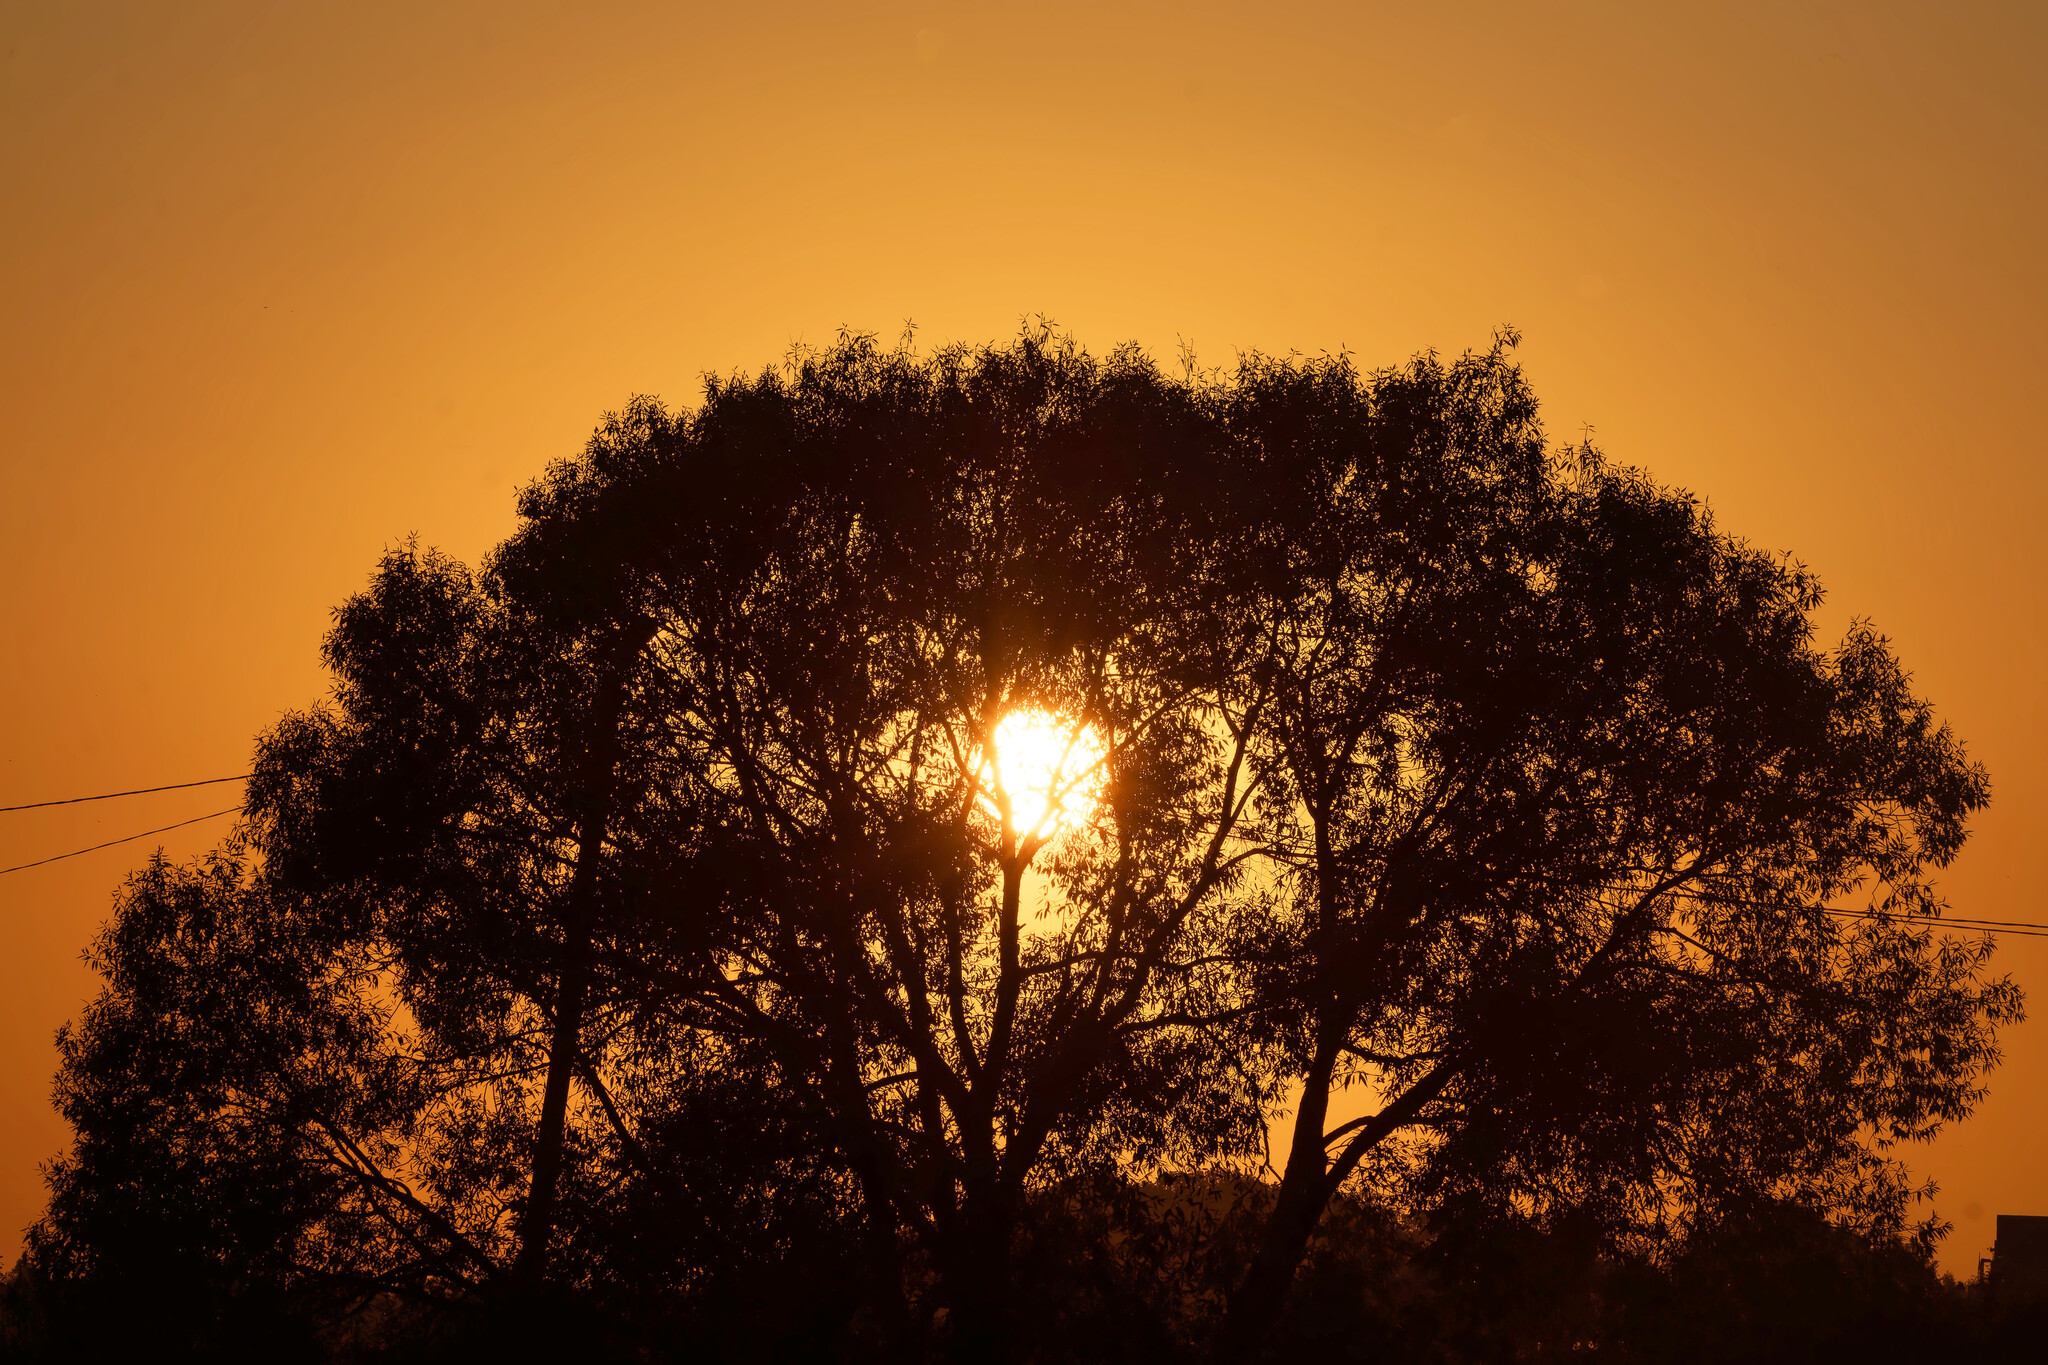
(284, 283)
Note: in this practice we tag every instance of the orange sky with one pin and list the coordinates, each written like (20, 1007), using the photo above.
(283, 283)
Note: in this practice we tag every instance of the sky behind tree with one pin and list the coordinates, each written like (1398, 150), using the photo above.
(286, 284)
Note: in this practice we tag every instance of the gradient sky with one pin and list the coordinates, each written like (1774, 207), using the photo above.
(284, 283)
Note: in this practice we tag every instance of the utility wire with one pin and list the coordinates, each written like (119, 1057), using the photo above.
(139, 791)
(2018, 927)
(1970, 920)
(20, 867)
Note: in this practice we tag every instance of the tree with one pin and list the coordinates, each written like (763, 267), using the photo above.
(235, 1102)
(1568, 806)
(861, 571)
(1004, 770)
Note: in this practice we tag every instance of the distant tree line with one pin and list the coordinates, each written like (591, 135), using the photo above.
(649, 952)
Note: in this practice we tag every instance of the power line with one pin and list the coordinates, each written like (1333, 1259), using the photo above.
(1969, 920)
(1974, 922)
(20, 867)
(139, 791)
(2021, 928)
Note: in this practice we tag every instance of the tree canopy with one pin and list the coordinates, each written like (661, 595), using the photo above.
(850, 817)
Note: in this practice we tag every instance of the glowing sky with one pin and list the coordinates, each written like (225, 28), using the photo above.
(284, 283)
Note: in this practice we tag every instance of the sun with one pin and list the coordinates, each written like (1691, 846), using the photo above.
(1049, 768)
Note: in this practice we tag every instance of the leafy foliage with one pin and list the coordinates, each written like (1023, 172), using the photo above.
(645, 929)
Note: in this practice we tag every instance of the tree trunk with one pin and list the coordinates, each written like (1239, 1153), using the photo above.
(1256, 1305)
(537, 1224)
(1305, 1190)
(1259, 1300)
(977, 1294)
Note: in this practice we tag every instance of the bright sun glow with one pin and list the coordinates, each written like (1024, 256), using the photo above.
(1050, 769)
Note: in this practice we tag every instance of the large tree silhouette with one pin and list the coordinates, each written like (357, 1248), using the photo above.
(1400, 752)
